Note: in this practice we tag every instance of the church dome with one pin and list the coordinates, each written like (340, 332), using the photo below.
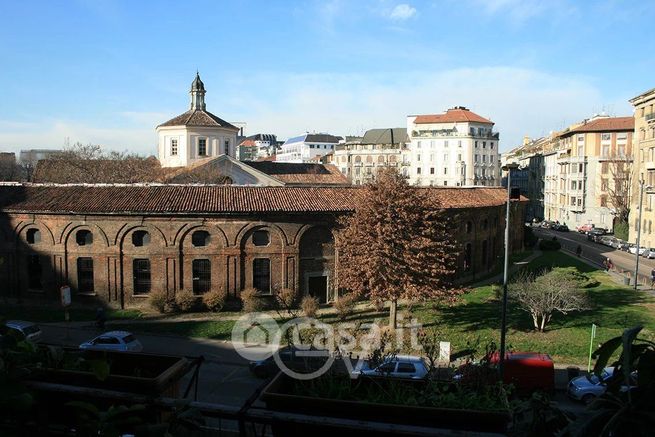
(197, 84)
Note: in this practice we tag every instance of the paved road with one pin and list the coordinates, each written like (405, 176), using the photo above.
(224, 376)
(596, 252)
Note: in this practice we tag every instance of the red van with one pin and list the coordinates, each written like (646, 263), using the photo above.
(528, 371)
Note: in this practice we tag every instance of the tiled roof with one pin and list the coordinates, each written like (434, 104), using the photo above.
(198, 117)
(211, 199)
(607, 124)
(301, 173)
(453, 115)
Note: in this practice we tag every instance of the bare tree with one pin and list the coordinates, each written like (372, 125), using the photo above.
(91, 164)
(9, 169)
(617, 185)
(542, 296)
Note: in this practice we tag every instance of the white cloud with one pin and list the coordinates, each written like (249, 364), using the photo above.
(518, 12)
(402, 12)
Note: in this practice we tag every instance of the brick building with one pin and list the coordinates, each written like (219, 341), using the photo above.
(117, 243)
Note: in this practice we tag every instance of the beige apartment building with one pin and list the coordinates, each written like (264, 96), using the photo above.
(585, 170)
(644, 168)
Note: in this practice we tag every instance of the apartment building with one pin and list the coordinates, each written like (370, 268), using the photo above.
(307, 147)
(361, 159)
(644, 167)
(456, 148)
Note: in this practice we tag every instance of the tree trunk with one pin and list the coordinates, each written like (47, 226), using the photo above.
(543, 323)
(393, 310)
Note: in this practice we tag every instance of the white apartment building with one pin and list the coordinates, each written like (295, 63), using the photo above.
(360, 160)
(307, 147)
(456, 148)
(195, 134)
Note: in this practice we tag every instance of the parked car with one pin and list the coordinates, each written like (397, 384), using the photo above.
(597, 231)
(526, 371)
(588, 388)
(561, 228)
(584, 228)
(633, 250)
(292, 359)
(400, 366)
(649, 253)
(24, 330)
(605, 240)
(623, 245)
(115, 341)
(547, 224)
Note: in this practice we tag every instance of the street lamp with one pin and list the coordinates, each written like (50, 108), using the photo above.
(503, 321)
(642, 186)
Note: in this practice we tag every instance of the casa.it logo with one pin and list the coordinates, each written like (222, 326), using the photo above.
(257, 336)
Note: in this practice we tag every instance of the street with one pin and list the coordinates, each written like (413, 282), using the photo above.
(596, 252)
(224, 375)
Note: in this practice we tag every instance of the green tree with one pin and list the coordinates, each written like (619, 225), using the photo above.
(396, 245)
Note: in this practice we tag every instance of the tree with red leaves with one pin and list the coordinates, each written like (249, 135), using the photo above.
(396, 245)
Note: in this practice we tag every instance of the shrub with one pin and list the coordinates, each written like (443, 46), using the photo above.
(250, 300)
(621, 230)
(185, 300)
(158, 301)
(215, 300)
(345, 306)
(309, 306)
(549, 245)
(378, 304)
(572, 274)
(529, 238)
(285, 299)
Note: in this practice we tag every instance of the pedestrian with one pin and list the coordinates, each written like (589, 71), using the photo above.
(605, 264)
(610, 266)
(578, 250)
(652, 278)
(101, 318)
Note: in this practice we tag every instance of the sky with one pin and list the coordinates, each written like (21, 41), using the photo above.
(108, 72)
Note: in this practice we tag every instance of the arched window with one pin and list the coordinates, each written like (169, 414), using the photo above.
(392, 158)
(84, 237)
(33, 236)
(358, 158)
(200, 238)
(380, 159)
(140, 238)
(261, 238)
(369, 159)
(469, 227)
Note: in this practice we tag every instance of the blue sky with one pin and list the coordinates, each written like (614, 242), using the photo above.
(107, 72)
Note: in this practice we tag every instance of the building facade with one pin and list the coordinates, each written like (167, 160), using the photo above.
(195, 134)
(456, 148)
(116, 244)
(360, 160)
(644, 168)
(581, 174)
(307, 148)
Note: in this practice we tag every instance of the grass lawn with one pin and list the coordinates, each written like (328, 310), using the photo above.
(476, 318)
(217, 330)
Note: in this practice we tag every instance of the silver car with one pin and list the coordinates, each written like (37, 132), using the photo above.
(400, 366)
(115, 341)
(586, 389)
(26, 330)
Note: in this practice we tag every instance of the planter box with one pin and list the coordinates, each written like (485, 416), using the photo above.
(138, 373)
(278, 397)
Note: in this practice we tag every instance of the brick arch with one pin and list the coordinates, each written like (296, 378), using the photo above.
(305, 228)
(37, 223)
(241, 236)
(187, 228)
(70, 228)
(127, 228)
